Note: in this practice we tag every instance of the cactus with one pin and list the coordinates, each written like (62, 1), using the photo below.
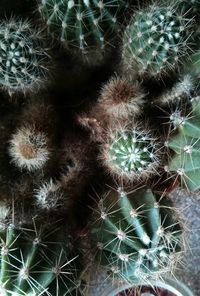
(156, 41)
(131, 153)
(31, 145)
(119, 102)
(37, 260)
(180, 90)
(23, 58)
(136, 235)
(83, 25)
(186, 147)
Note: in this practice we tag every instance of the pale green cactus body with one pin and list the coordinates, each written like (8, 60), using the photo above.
(186, 145)
(136, 235)
(37, 260)
(23, 58)
(83, 24)
(156, 41)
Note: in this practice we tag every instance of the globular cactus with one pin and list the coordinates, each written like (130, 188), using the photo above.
(156, 41)
(184, 163)
(131, 153)
(37, 260)
(119, 101)
(23, 57)
(136, 236)
(83, 25)
(32, 143)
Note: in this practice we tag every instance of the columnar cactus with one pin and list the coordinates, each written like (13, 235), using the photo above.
(37, 260)
(83, 25)
(136, 235)
(186, 147)
(131, 153)
(156, 41)
(23, 57)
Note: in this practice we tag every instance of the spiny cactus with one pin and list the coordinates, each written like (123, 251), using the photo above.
(49, 196)
(180, 90)
(119, 101)
(23, 57)
(186, 147)
(131, 153)
(37, 260)
(136, 235)
(31, 145)
(84, 24)
(156, 41)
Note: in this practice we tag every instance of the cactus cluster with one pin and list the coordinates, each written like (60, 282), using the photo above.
(130, 122)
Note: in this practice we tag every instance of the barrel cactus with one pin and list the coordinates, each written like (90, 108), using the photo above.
(23, 57)
(131, 153)
(83, 25)
(37, 260)
(156, 40)
(135, 235)
(186, 147)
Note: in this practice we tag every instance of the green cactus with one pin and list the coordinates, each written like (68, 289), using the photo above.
(83, 24)
(186, 147)
(156, 41)
(136, 235)
(37, 260)
(131, 153)
(23, 58)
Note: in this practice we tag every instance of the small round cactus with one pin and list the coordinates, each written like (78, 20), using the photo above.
(49, 196)
(136, 236)
(156, 41)
(131, 153)
(84, 24)
(29, 149)
(120, 99)
(23, 58)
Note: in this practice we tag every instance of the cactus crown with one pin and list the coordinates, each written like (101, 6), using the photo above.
(135, 235)
(156, 40)
(132, 153)
(81, 24)
(22, 57)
